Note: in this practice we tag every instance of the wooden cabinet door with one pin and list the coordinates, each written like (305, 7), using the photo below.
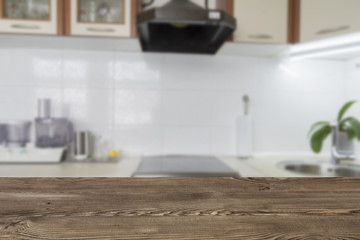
(328, 18)
(261, 21)
(31, 16)
(110, 18)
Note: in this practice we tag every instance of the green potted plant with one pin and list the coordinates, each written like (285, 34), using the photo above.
(348, 129)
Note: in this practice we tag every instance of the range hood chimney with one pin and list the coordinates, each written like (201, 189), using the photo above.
(182, 26)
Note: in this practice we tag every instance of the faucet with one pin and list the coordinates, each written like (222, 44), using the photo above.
(336, 157)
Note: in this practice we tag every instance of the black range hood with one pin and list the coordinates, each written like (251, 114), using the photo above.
(184, 27)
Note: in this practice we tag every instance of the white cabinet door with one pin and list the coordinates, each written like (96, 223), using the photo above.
(29, 16)
(328, 18)
(261, 21)
(111, 18)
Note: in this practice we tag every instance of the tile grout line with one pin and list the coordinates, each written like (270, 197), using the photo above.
(162, 129)
(62, 67)
(113, 93)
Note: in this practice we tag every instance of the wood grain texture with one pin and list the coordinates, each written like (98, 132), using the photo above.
(294, 21)
(60, 17)
(215, 208)
(67, 17)
(1, 9)
(135, 8)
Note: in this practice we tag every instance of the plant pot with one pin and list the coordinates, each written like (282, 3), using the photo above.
(343, 144)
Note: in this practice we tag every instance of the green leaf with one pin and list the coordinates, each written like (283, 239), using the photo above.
(344, 109)
(350, 133)
(353, 124)
(317, 125)
(318, 138)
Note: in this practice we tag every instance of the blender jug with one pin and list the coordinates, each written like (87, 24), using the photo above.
(51, 132)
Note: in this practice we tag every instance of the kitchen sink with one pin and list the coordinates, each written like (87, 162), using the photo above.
(312, 168)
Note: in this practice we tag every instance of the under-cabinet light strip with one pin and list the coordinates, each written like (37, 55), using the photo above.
(329, 47)
(329, 52)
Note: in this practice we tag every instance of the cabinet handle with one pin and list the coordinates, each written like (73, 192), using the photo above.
(94, 29)
(333, 30)
(24, 26)
(260, 36)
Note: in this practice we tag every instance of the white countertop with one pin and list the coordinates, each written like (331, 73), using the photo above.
(256, 167)
(124, 168)
(267, 165)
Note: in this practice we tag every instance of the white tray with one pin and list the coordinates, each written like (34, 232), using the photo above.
(31, 155)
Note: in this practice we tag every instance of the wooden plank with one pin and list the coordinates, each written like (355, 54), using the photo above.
(135, 6)
(67, 17)
(60, 17)
(2, 9)
(294, 21)
(215, 208)
(226, 5)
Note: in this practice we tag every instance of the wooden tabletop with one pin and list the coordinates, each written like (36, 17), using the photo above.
(216, 208)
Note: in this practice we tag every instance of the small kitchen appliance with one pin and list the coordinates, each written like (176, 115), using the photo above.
(2, 134)
(16, 133)
(51, 132)
(82, 145)
(52, 136)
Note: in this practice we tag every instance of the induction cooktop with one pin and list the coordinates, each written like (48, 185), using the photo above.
(183, 166)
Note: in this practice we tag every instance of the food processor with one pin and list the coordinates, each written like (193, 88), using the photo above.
(16, 133)
(51, 138)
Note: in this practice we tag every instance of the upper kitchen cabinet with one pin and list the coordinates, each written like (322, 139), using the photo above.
(31, 16)
(111, 18)
(261, 21)
(328, 18)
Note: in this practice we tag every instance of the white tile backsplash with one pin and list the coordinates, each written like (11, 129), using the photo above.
(186, 139)
(279, 138)
(174, 103)
(88, 69)
(89, 106)
(137, 107)
(222, 139)
(139, 140)
(137, 71)
(35, 67)
(19, 103)
(182, 108)
(198, 72)
(352, 90)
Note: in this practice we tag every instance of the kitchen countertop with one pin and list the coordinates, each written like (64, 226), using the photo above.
(179, 208)
(267, 165)
(124, 168)
(261, 166)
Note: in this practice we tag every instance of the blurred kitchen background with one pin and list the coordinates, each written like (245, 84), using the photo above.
(156, 104)
(148, 103)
